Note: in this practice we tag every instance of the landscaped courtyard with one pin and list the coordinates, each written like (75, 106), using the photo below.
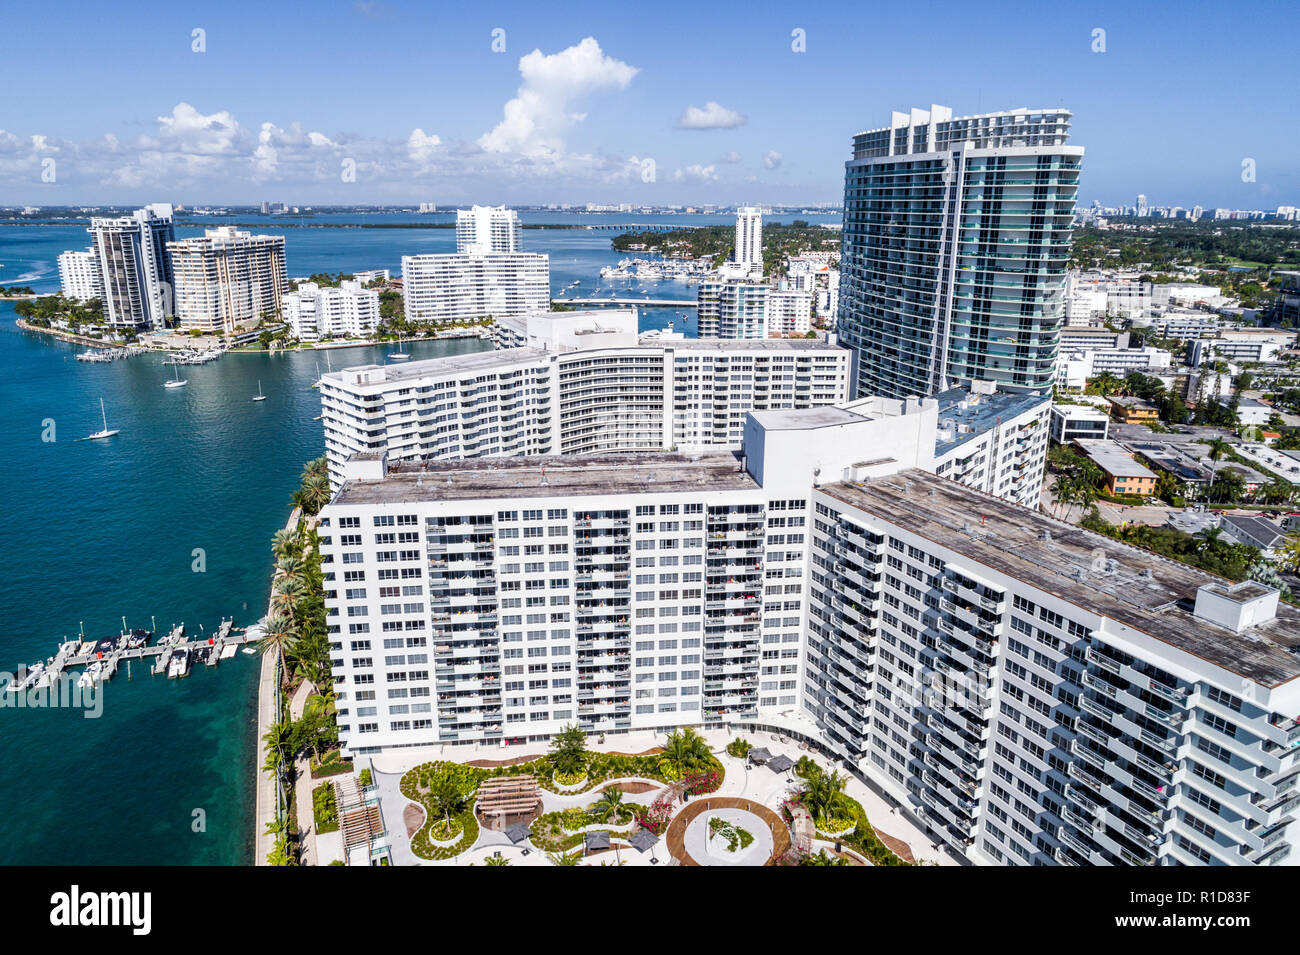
(682, 798)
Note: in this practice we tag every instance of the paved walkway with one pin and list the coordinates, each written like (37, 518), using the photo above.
(676, 834)
(263, 841)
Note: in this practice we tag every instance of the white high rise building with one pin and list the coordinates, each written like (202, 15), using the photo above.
(749, 240)
(349, 311)
(485, 229)
(135, 266)
(445, 288)
(79, 275)
(1026, 691)
(788, 312)
(582, 383)
(227, 279)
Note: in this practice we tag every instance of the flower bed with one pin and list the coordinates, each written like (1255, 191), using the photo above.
(736, 837)
(570, 784)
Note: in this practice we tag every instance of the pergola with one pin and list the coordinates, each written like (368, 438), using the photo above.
(503, 799)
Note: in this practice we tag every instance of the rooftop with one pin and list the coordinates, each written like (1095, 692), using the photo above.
(444, 365)
(801, 418)
(980, 413)
(1112, 459)
(550, 476)
(1139, 589)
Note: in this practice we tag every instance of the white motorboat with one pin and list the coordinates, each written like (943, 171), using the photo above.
(179, 665)
(107, 432)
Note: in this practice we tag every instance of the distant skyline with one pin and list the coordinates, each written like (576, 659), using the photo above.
(387, 102)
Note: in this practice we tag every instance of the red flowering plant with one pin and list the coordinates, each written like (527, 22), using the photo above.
(701, 784)
(657, 815)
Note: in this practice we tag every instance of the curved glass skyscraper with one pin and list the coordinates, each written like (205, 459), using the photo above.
(955, 249)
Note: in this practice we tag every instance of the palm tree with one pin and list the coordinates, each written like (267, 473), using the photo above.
(824, 794)
(279, 743)
(609, 804)
(564, 858)
(290, 566)
(288, 593)
(314, 494)
(1210, 540)
(286, 542)
(497, 860)
(280, 633)
(686, 750)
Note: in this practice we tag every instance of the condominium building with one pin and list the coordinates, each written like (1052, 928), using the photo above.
(79, 275)
(349, 311)
(789, 312)
(732, 308)
(227, 279)
(482, 230)
(552, 397)
(448, 288)
(955, 248)
(749, 239)
(135, 266)
(1076, 366)
(1257, 345)
(1030, 692)
(1071, 422)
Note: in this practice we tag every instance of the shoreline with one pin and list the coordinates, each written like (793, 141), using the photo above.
(266, 804)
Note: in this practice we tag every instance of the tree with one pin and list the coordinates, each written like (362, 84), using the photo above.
(279, 633)
(824, 794)
(685, 750)
(609, 805)
(1288, 554)
(565, 858)
(445, 797)
(569, 750)
(497, 861)
(288, 593)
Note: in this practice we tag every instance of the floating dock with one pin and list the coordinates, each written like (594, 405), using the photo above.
(222, 645)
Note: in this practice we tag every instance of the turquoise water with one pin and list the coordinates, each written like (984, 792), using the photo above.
(95, 531)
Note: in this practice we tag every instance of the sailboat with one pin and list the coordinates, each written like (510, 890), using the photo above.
(178, 381)
(106, 433)
(259, 396)
(316, 383)
(399, 355)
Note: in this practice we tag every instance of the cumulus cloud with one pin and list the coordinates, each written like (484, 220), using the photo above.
(697, 173)
(772, 159)
(731, 157)
(712, 116)
(420, 146)
(189, 131)
(537, 118)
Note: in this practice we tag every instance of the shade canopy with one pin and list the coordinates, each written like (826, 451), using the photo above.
(518, 832)
(643, 840)
(596, 840)
(781, 763)
(759, 756)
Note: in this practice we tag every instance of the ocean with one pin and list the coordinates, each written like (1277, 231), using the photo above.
(171, 521)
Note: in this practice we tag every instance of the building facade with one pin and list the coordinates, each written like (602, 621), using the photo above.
(732, 308)
(227, 279)
(139, 290)
(546, 398)
(1030, 692)
(483, 230)
(442, 289)
(80, 276)
(955, 249)
(349, 311)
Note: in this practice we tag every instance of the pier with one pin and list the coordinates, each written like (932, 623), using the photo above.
(220, 645)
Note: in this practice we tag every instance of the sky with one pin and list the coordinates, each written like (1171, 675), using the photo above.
(388, 102)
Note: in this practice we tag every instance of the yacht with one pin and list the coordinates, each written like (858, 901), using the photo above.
(91, 675)
(179, 665)
(107, 432)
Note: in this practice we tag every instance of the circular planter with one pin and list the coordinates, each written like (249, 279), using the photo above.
(572, 787)
(445, 843)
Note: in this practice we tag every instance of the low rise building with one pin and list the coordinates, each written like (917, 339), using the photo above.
(1121, 472)
(1129, 410)
(1072, 422)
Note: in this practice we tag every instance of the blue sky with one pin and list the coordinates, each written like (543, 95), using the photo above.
(412, 98)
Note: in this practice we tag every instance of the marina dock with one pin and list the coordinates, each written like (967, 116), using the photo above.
(208, 649)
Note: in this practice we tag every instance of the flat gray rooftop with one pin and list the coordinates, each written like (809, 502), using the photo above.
(981, 413)
(443, 365)
(1011, 541)
(565, 475)
(745, 344)
(800, 418)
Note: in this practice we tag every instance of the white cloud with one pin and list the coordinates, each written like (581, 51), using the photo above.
(712, 116)
(731, 157)
(420, 146)
(537, 118)
(187, 130)
(772, 159)
(697, 173)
